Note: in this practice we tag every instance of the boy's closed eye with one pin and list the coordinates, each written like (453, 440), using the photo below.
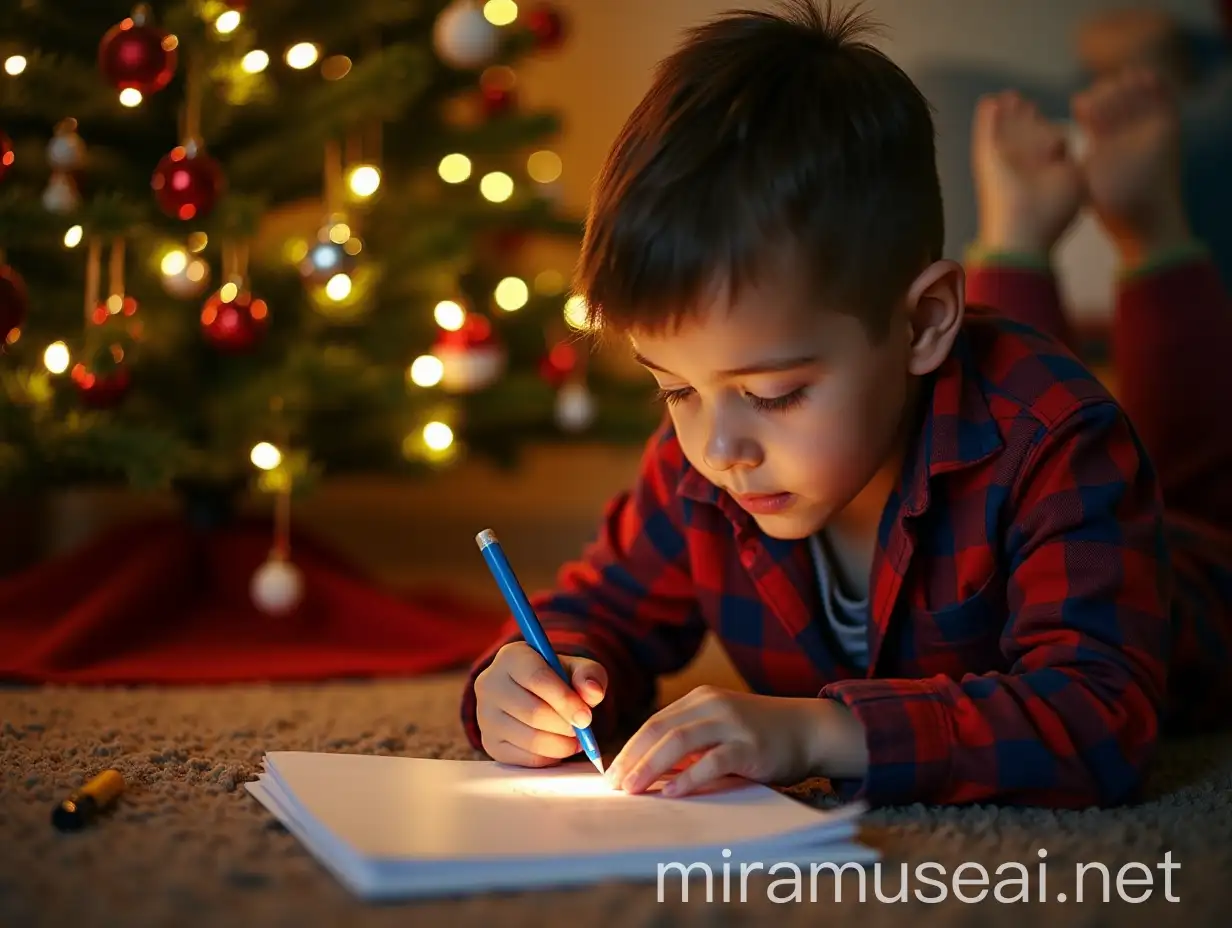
(779, 403)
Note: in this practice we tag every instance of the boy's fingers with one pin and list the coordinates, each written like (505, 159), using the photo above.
(589, 679)
(536, 676)
(529, 709)
(506, 753)
(536, 741)
(668, 751)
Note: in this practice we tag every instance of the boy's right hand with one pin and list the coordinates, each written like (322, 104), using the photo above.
(1028, 185)
(526, 712)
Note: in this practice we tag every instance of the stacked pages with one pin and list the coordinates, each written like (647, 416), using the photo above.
(404, 827)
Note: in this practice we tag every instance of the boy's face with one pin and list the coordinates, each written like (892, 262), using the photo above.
(792, 409)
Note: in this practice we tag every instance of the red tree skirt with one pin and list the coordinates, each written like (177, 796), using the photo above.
(159, 603)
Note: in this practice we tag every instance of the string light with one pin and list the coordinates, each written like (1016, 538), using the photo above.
(512, 294)
(335, 67)
(454, 169)
(426, 371)
(14, 65)
(497, 186)
(576, 312)
(449, 315)
(544, 166)
(56, 357)
(437, 436)
(364, 180)
(173, 262)
(228, 22)
(72, 238)
(265, 456)
(255, 61)
(500, 12)
(338, 288)
(301, 56)
(130, 97)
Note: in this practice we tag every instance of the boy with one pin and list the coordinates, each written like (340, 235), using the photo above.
(925, 535)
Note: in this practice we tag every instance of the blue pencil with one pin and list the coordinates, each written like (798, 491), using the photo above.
(528, 622)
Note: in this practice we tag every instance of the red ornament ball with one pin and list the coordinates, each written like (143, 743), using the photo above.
(558, 364)
(14, 303)
(548, 25)
(137, 55)
(497, 101)
(234, 320)
(187, 183)
(102, 389)
(7, 156)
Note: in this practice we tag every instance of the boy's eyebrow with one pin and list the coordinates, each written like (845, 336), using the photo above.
(761, 367)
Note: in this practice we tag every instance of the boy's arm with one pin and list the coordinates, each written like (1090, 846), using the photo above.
(628, 603)
(1075, 719)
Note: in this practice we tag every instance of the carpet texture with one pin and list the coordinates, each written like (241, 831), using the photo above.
(187, 846)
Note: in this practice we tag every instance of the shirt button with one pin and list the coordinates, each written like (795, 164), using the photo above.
(748, 557)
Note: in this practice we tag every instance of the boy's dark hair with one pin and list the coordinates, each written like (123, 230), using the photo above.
(766, 135)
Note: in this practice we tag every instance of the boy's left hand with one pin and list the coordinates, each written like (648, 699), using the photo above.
(767, 739)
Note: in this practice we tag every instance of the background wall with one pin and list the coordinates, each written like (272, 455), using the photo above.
(953, 48)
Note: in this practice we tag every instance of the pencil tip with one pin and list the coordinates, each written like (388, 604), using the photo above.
(598, 764)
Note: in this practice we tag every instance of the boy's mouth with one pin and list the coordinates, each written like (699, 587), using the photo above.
(764, 503)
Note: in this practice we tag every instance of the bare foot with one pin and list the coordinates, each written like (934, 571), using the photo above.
(1133, 162)
(1028, 185)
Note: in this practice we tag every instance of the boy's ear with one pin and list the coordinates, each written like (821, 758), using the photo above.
(935, 305)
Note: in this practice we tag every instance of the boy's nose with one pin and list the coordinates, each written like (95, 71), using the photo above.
(726, 448)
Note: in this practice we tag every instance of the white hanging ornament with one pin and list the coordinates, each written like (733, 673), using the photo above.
(463, 37)
(575, 407)
(277, 587)
(66, 151)
(61, 194)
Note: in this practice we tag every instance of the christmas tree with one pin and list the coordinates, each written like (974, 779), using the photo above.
(259, 241)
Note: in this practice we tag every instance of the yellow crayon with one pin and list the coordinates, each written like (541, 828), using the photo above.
(82, 806)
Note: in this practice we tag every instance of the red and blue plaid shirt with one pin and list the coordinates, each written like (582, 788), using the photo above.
(1019, 626)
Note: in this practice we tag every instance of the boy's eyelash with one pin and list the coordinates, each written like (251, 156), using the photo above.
(774, 404)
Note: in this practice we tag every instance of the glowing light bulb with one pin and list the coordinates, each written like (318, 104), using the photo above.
(427, 371)
(544, 167)
(575, 312)
(72, 238)
(454, 169)
(265, 456)
(173, 262)
(130, 97)
(255, 61)
(512, 294)
(228, 22)
(228, 292)
(339, 287)
(449, 315)
(497, 186)
(301, 56)
(14, 65)
(500, 12)
(56, 357)
(437, 436)
(364, 180)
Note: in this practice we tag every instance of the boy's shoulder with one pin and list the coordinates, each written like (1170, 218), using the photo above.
(1022, 374)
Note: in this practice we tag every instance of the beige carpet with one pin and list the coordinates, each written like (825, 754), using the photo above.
(188, 847)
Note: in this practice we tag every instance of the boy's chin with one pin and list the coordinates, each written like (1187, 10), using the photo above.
(790, 526)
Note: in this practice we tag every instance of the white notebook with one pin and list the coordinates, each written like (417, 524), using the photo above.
(405, 827)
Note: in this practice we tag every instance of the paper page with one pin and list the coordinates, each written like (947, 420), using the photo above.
(386, 879)
(417, 808)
